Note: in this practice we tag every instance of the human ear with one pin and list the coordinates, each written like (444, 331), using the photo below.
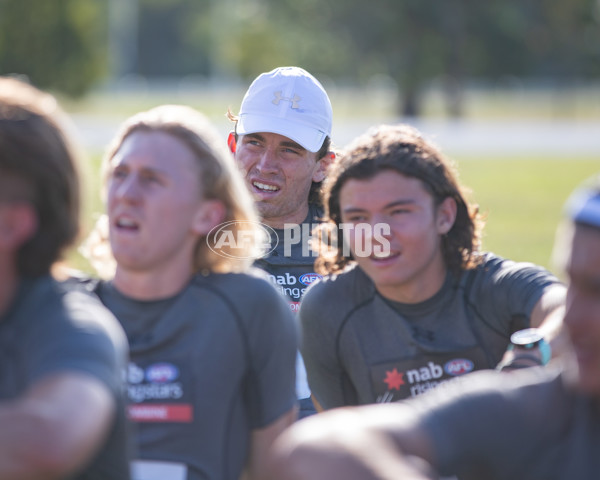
(210, 214)
(323, 165)
(446, 215)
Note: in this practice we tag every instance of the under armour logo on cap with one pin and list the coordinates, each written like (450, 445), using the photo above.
(279, 96)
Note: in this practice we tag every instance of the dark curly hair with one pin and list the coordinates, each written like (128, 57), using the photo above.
(399, 148)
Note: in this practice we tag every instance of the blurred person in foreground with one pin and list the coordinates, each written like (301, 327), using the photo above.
(535, 423)
(62, 354)
(282, 142)
(213, 345)
(408, 301)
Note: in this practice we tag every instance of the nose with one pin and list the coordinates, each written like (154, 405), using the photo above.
(382, 235)
(267, 161)
(373, 236)
(127, 189)
(380, 226)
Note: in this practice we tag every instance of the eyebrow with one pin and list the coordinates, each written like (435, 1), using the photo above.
(389, 205)
(143, 170)
(285, 143)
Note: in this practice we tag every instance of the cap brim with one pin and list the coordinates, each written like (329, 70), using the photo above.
(308, 137)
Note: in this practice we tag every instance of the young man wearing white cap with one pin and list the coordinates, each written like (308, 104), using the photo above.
(282, 141)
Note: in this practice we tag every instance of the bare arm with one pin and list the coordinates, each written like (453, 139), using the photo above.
(544, 315)
(360, 443)
(551, 325)
(55, 428)
(547, 315)
(261, 442)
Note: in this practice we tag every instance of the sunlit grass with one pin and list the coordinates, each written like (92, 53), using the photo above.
(522, 199)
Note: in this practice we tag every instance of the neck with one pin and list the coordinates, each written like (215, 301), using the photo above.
(418, 290)
(149, 286)
(293, 219)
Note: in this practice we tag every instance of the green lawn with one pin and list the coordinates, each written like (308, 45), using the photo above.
(521, 198)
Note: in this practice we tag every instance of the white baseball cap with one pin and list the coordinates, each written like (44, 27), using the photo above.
(288, 101)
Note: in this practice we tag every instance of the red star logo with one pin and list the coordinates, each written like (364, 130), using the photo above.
(394, 379)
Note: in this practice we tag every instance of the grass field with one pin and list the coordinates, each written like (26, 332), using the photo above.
(521, 199)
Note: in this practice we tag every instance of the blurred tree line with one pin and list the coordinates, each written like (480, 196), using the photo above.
(66, 45)
(57, 44)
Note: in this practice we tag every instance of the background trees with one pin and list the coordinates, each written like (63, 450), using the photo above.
(71, 45)
(58, 44)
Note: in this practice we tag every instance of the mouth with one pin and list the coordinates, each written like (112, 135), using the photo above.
(264, 187)
(126, 224)
(383, 256)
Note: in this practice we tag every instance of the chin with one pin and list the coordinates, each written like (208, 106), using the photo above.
(264, 208)
(383, 278)
(127, 262)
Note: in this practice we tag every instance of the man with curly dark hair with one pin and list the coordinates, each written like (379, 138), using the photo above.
(536, 423)
(408, 300)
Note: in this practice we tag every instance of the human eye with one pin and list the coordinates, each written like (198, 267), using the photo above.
(355, 218)
(291, 151)
(399, 211)
(400, 208)
(251, 141)
(150, 177)
(118, 173)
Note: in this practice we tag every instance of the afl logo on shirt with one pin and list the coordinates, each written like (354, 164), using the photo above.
(458, 366)
(162, 373)
(309, 278)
